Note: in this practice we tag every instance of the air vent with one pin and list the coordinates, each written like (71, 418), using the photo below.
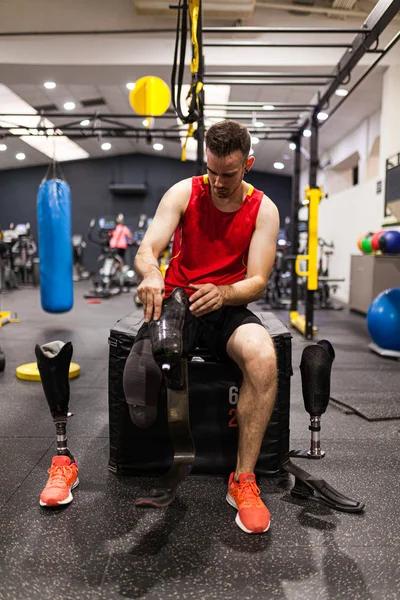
(128, 189)
(46, 108)
(93, 102)
(223, 9)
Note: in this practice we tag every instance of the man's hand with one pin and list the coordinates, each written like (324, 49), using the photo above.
(151, 293)
(206, 299)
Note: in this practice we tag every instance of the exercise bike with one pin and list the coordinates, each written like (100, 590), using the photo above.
(23, 250)
(326, 284)
(109, 281)
(277, 292)
(8, 277)
(78, 246)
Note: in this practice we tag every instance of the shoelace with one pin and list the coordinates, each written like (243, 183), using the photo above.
(249, 494)
(59, 474)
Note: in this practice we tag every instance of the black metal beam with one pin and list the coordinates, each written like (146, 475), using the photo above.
(294, 218)
(380, 17)
(387, 48)
(120, 133)
(249, 105)
(268, 75)
(281, 30)
(258, 108)
(263, 82)
(314, 160)
(262, 117)
(62, 115)
(86, 32)
(200, 133)
(249, 44)
(314, 163)
(218, 30)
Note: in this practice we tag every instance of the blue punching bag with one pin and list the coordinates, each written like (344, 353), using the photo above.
(55, 247)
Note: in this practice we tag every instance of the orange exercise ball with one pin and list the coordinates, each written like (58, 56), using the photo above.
(359, 241)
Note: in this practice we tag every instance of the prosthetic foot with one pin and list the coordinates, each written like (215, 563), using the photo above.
(167, 344)
(53, 361)
(316, 365)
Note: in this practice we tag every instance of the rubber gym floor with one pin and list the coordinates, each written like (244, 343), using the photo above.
(103, 547)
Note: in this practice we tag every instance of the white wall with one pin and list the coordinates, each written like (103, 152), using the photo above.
(356, 148)
(343, 218)
(390, 136)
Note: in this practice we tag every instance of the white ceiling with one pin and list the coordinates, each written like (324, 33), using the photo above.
(88, 67)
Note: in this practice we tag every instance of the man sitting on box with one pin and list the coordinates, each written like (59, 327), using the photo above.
(225, 235)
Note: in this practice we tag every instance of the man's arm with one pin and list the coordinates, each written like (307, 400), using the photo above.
(260, 259)
(166, 220)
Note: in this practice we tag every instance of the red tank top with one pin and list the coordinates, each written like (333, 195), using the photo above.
(211, 246)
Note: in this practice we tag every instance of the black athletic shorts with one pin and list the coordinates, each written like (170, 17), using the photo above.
(212, 330)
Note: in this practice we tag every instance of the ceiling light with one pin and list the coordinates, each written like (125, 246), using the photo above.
(106, 146)
(158, 147)
(258, 124)
(61, 148)
(307, 133)
(268, 107)
(50, 85)
(20, 156)
(69, 105)
(341, 92)
(254, 139)
(322, 116)
(286, 156)
(3, 147)
(279, 165)
(292, 146)
(85, 123)
(251, 152)
(146, 123)
(131, 86)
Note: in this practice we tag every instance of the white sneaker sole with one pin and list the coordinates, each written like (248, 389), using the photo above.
(238, 521)
(67, 500)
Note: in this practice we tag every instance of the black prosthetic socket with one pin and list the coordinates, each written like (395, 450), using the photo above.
(166, 333)
(316, 365)
(53, 360)
(142, 383)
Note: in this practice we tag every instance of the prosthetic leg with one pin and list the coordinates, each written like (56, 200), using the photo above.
(315, 367)
(53, 360)
(167, 344)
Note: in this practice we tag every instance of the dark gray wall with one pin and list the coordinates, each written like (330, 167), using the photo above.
(89, 181)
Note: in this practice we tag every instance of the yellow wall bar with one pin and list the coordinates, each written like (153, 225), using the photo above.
(313, 195)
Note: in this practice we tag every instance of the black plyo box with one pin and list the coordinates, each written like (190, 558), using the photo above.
(213, 393)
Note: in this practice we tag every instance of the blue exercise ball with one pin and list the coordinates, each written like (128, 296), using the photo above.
(389, 242)
(383, 319)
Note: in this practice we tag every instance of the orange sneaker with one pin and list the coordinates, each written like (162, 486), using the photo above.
(253, 516)
(63, 478)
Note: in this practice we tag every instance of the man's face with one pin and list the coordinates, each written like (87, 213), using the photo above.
(226, 173)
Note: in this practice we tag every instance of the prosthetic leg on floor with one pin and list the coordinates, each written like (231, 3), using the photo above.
(53, 360)
(167, 344)
(316, 365)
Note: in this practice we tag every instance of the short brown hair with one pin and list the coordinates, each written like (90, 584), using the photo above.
(226, 137)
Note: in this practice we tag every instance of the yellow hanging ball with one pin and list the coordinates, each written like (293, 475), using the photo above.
(150, 96)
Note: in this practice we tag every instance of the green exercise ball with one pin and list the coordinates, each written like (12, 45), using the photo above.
(366, 244)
